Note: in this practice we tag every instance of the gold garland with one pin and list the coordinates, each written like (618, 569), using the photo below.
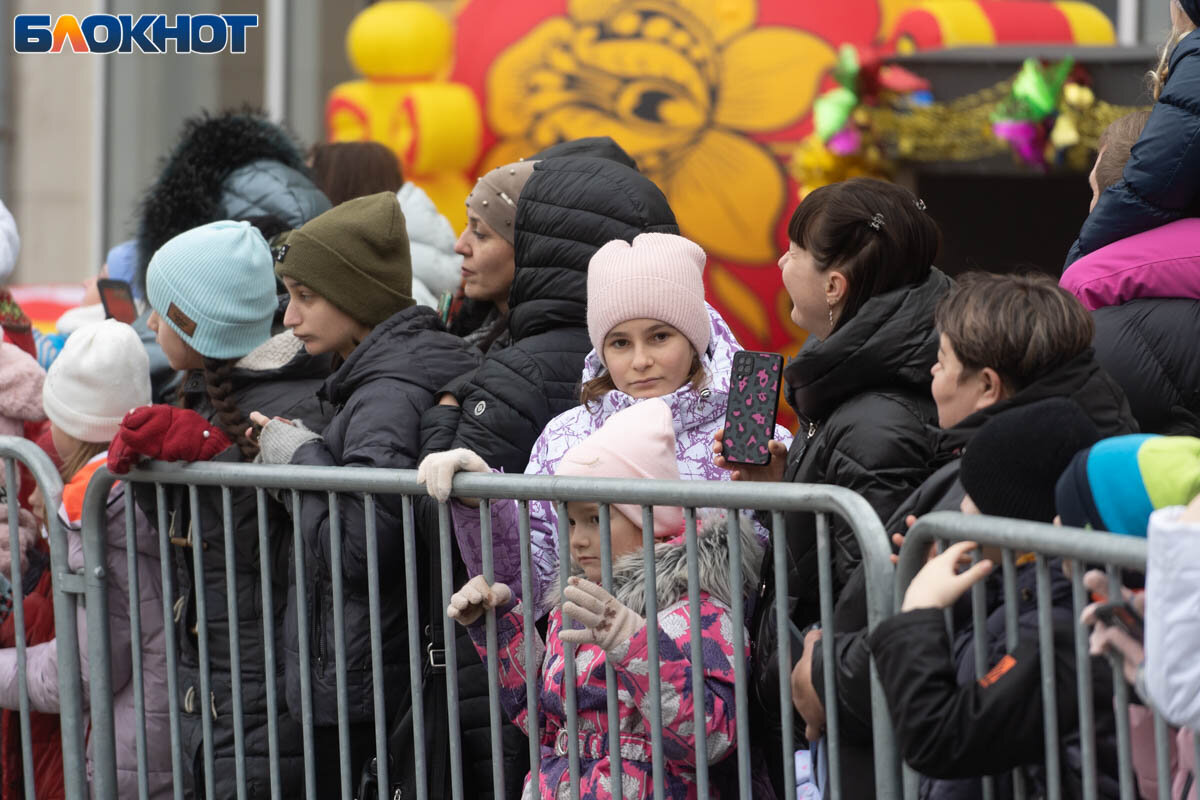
(959, 130)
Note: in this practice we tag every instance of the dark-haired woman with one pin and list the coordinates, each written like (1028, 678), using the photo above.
(859, 272)
(212, 290)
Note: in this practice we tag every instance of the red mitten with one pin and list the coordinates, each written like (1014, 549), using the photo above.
(164, 433)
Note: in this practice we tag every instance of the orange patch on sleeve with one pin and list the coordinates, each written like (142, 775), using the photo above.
(998, 671)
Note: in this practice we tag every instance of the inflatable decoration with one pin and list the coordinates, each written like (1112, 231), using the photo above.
(404, 51)
(714, 99)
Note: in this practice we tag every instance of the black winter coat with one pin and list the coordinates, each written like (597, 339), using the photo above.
(1161, 182)
(865, 410)
(280, 379)
(954, 728)
(1080, 379)
(378, 396)
(569, 208)
(1149, 347)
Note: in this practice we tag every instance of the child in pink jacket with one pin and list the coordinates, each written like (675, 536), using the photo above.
(638, 442)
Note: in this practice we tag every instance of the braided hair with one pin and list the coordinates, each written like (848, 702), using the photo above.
(218, 384)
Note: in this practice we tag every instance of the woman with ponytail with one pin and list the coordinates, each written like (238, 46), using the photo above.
(1161, 181)
(212, 290)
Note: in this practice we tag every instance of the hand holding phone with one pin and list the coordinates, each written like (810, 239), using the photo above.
(1122, 616)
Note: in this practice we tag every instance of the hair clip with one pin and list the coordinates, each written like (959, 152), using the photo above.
(877, 222)
(920, 204)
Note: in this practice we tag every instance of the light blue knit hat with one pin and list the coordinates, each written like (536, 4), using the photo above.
(215, 286)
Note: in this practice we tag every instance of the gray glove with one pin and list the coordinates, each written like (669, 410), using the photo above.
(279, 441)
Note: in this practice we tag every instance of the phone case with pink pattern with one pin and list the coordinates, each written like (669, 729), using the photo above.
(754, 383)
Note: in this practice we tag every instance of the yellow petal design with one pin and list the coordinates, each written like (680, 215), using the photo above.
(724, 18)
(531, 77)
(727, 193)
(640, 61)
(646, 142)
(769, 78)
(506, 151)
(740, 300)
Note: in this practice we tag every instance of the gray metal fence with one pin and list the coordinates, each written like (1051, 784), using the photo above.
(69, 589)
(1077, 550)
(340, 489)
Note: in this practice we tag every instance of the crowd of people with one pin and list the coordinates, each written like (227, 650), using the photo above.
(316, 309)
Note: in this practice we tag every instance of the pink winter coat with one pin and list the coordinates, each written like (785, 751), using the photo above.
(42, 659)
(1163, 262)
(629, 660)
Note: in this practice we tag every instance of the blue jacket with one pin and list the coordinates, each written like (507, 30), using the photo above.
(1162, 178)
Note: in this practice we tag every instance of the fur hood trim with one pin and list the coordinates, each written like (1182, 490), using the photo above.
(671, 567)
(275, 353)
(188, 189)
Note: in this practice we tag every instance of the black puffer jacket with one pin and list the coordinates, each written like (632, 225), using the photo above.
(278, 378)
(948, 724)
(863, 399)
(1082, 380)
(1149, 347)
(378, 396)
(569, 208)
(1161, 182)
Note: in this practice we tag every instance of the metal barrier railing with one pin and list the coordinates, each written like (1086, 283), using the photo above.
(1077, 549)
(341, 489)
(69, 588)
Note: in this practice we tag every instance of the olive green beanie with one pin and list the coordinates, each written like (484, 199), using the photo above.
(356, 256)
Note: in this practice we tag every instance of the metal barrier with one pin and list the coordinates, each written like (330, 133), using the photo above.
(69, 588)
(1076, 548)
(351, 489)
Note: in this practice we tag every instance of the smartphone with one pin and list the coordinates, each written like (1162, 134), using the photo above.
(1123, 616)
(754, 383)
(118, 300)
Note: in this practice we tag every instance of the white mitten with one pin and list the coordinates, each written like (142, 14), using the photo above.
(607, 622)
(437, 470)
(476, 597)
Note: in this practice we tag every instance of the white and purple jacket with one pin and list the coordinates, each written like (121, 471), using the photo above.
(698, 415)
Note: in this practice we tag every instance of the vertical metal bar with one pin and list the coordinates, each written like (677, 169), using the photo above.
(235, 645)
(651, 592)
(1012, 636)
(610, 673)
(168, 587)
(303, 646)
(268, 622)
(564, 562)
(376, 617)
(1049, 689)
(699, 718)
(1162, 764)
(493, 649)
(784, 636)
(825, 578)
(979, 641)
(1125, 775)
(451, 645)
(530, 631)
(1083, 673)
(1128, 19)
(415, 663)
(741, 692)
(18, 583)
(339, 643)
(135, 641)
(204, 702)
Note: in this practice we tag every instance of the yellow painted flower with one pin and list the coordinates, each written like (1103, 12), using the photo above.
(678, 84)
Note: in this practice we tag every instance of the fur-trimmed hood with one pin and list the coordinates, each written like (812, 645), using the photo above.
(194, 187)
(671, 566)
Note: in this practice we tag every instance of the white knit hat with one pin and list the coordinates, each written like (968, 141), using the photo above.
(659, 276)
(101, 374)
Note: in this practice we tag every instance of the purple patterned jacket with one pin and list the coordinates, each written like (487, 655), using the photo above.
(629, 660)
(698, 415)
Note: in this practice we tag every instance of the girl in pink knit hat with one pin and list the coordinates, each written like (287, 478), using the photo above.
(638, 442)
(653, 336)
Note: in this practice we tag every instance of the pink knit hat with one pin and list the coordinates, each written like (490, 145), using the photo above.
(660, 276)
(637, 442)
